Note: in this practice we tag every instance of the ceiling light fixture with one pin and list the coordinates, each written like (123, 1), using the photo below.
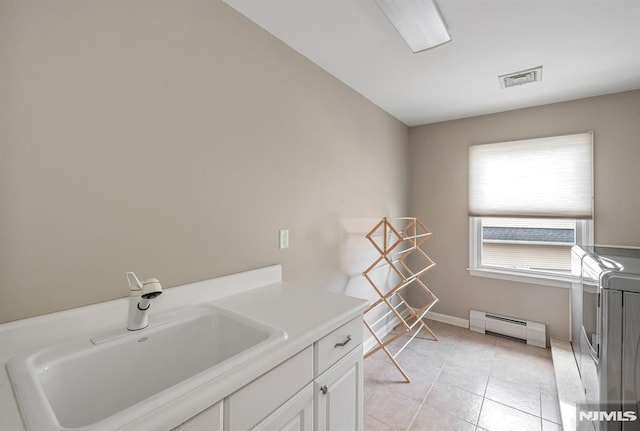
(418, 21)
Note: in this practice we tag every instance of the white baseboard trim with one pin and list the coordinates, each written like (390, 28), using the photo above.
(451, 320)
(384, 330)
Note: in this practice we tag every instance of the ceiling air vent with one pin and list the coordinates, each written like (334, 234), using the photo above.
(521, 78)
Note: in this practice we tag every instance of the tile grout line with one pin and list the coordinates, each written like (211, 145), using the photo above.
(484, 395)
(422, 404)
(541, 420)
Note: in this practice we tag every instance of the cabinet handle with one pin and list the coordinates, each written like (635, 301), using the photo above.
(324, 389)
(344, 343)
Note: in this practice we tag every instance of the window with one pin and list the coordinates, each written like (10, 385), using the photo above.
(529, 203)
(526, 249)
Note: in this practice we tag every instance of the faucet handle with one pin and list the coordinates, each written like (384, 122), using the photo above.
(134, 283)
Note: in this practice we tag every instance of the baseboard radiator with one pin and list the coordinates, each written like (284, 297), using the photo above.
(533, 333)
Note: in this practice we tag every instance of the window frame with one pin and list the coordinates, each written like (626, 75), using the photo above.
(584, 235)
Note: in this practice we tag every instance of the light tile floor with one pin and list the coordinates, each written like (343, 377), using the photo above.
(464, 381)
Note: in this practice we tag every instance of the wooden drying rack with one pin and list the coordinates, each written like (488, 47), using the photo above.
(396, 240)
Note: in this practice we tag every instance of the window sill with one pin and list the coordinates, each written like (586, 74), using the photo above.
(562, 281)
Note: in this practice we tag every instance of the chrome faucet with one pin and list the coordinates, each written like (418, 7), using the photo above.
(140, 296)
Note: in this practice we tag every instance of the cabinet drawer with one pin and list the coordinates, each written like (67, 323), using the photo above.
(331, 348)
(248, 406)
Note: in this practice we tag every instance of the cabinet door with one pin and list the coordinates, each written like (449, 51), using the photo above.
(208, 420)
(294, 415)
(338, 395)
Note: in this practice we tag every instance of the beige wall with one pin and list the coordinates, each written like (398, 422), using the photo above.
(438, 194)
(173, 139)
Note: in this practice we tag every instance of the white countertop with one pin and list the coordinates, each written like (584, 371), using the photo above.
(305, 314)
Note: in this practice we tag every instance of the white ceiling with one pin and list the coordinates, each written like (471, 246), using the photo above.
(587, 48)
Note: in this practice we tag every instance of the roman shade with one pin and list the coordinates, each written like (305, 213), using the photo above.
(545, 177)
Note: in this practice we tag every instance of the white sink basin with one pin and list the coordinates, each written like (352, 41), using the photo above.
(127, 374)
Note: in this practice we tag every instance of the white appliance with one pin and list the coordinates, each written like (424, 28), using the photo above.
(606, 334)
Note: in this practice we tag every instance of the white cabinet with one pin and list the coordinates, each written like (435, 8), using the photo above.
(247, 407)
(339, 395)
(334, 401)
(318, 389)
(294, 415)
(208, 420)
